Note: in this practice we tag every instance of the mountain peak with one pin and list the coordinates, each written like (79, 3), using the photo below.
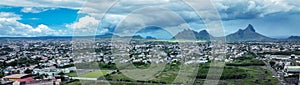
(294, 37)
(203, 31)
(188, 34)
(187, 30)
(247, 34)
(250, 28)
(240, 30)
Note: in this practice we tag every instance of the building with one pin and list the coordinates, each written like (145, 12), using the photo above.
(292, 70)
(15, 77)
(19, 79)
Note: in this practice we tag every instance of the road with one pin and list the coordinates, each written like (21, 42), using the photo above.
(280, 79)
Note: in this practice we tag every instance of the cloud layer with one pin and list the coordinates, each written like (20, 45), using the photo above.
(113, 12)
(10, 26)
(249, 9)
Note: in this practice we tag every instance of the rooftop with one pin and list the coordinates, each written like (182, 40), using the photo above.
(16, 76)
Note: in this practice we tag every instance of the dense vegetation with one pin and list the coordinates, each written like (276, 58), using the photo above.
(228, 72)
(282, 53)
(96, 65)
(168, 75)
(243, 70)
(247, 59)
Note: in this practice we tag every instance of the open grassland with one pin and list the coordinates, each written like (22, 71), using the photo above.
(94, 74)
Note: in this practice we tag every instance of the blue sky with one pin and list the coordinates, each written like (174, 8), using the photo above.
(273, 18)
(54, 18)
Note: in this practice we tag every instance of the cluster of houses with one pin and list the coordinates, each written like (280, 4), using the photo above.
(52, 57)
(49, 75)
(25, 61)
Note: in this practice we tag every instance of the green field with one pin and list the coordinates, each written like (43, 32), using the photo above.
(232, 75)
(168, 75)
(94, 74)
(71, 74)
(96, 65)
(240, 75)
(245, 70)
(86, 82)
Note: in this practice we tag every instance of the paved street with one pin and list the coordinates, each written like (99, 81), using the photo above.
(280, 79)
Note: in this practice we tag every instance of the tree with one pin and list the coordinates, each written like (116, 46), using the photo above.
(28, 71)
(1, 73)
(61, 73)
(272, 63)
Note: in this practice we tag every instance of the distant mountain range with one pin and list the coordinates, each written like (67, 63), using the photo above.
(107, 35)
(247, 34)
(294, 38)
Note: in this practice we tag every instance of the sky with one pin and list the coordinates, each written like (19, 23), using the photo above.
(163, 18)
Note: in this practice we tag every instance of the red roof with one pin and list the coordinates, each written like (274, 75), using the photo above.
(28, 79)
(16, 76)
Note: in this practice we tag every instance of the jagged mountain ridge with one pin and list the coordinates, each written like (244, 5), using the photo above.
(248, 34)
(193, 35)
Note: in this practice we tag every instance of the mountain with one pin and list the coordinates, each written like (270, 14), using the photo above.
(150, 37)
(107, 35)
(133, 37)
(188, 34)
(248, 34)
(294, 38)
(137, 37)
(203, 35)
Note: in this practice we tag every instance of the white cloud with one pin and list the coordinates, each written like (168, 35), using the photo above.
(10, 26)
(98, 7)
(247, 9)
(102, 31)
(84, 22)
(42, 28)
(6, 16)
(142, 18)
(86, 25)
(35, 9)
(34, 18)
(72, 4)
